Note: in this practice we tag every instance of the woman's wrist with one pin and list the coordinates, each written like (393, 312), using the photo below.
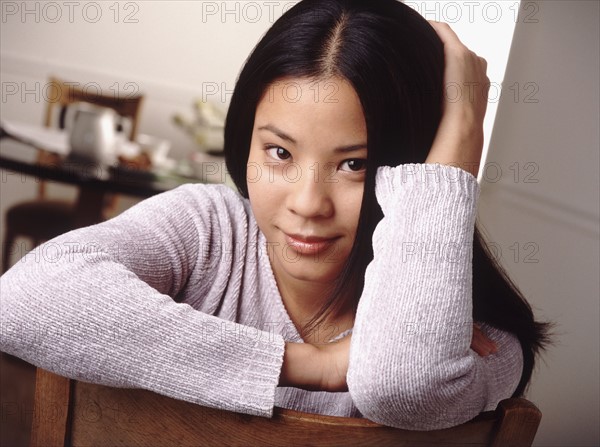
(459, 148)
(301, 367)
(320, 367)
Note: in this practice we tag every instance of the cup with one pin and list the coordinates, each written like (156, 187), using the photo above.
(156, 148)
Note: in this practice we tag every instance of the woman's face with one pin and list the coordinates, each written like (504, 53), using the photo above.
(306, 172)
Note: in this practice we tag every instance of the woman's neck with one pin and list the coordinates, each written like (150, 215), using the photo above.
(303, 299)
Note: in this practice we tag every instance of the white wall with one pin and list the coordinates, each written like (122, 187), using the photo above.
(175, 52)
(552, 205)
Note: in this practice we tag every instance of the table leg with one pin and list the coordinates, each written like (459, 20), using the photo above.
(89, 207)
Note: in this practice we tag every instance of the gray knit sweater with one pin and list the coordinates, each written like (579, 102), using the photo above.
(176, 295)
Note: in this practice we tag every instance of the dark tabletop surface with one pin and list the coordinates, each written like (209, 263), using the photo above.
(21, 157)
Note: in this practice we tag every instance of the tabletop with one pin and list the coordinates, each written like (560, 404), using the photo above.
(21, 157)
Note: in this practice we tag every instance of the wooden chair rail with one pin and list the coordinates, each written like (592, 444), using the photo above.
(71, 413)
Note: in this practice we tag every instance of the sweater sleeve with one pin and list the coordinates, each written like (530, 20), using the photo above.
(96, 305)
(411, 365)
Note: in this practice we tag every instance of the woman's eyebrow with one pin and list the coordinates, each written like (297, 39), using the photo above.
(351, 148)
(281, 134)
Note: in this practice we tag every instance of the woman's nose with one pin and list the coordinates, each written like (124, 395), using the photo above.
(310, 196)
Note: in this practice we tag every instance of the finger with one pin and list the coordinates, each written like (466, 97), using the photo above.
(481, 344)
(476, 342)
(479, 348)
(483, 62)
(484, 339)
(482, 347)
(487, 344)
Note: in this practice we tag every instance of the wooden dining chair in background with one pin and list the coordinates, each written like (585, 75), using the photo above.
(43, 218)
(72, 413)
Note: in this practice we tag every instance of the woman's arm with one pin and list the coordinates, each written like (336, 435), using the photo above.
(96, 305)
(410, 362)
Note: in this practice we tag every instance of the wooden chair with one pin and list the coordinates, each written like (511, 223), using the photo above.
(71, 413)
(42, 219)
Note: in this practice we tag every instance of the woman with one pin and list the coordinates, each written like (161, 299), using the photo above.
(246, 301)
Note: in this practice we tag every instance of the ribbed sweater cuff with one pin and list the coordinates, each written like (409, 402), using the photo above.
(431, 179)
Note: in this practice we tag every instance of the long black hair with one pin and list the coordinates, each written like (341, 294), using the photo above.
(394, 60)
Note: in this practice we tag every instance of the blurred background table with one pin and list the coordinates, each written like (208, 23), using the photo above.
(94, 180)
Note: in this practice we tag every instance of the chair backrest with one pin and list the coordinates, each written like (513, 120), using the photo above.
(60, 93)
(71, 413)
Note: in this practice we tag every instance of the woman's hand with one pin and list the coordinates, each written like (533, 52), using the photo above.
(334, 361)
(323, 367)
(481, 344)
(459, 139)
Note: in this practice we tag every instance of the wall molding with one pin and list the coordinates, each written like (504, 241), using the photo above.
(35, 69)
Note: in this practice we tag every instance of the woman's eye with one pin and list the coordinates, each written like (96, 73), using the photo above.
(355, 165)
(278, 153)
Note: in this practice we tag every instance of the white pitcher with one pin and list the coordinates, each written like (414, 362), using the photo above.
(93, 137)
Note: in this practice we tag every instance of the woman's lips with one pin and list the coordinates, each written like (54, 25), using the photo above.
(309, 245)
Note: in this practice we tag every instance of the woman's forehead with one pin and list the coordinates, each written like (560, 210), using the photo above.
(327, 105)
